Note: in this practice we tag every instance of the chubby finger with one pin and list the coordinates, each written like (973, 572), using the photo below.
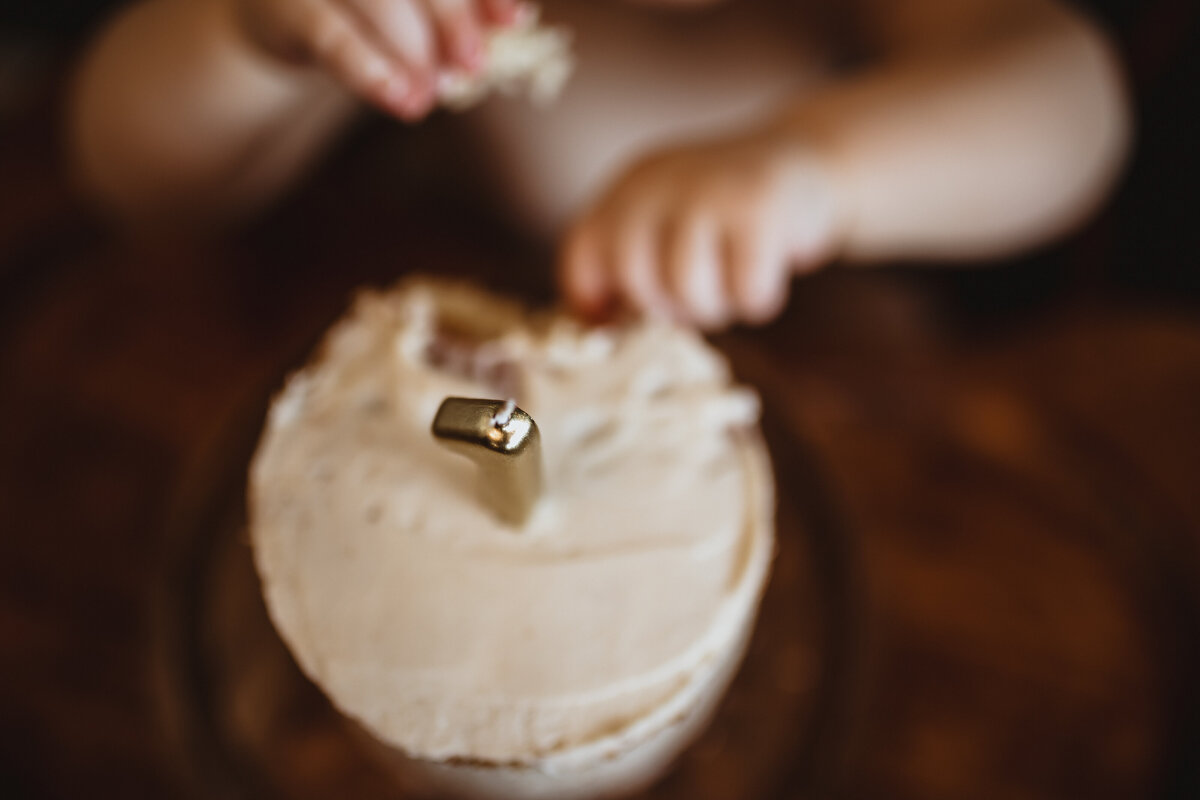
(459, 27)
(339, 46)
(636, 252)
(694, 272)
(757, 273)
(404, 31)
(584, 272)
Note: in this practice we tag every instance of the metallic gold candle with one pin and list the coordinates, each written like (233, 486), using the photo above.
(504, 441)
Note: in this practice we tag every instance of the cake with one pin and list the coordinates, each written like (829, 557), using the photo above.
(570, 655)
(529, 58)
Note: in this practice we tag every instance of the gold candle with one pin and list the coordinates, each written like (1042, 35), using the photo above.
(504, 441)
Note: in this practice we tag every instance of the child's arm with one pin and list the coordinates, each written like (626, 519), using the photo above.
(988, 127)
(201, 110)
(995, 132)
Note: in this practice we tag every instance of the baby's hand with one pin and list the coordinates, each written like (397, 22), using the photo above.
(389, 52)
(707, 234)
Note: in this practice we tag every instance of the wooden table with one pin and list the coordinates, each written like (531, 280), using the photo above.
(1009, 462)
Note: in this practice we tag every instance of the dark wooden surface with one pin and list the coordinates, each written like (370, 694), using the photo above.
(1008, 460)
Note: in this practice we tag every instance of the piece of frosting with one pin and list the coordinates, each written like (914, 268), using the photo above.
(447, 633)
(527, 58)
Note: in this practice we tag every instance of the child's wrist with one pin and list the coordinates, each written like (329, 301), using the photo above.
(823, 182)
(821, 123)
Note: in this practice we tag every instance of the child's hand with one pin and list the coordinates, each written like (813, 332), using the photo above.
(707, 234)
(389, 52)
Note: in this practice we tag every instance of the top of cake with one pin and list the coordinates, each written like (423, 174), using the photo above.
(443, 630)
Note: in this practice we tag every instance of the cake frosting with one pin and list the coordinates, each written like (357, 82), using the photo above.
(451, 636)
(528, 58)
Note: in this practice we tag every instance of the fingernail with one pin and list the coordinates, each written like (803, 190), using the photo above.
(411, 106)
(470, 53)
(597, 310)
(397, 100)
(413, 111)
(524, 12)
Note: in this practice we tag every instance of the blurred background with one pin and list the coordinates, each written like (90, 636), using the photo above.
(989, 476)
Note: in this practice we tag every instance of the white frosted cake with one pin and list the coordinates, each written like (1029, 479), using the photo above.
(571, 656)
